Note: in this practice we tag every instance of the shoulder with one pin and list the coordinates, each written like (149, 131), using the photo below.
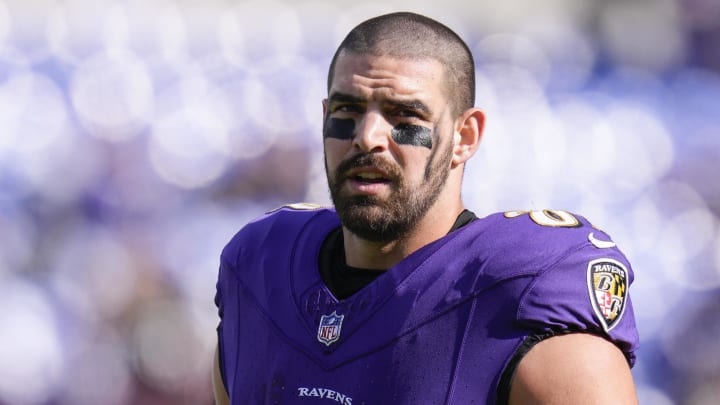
(278, 227)
(551, 227)
(522, 242)
(579, 280)
(289, 216)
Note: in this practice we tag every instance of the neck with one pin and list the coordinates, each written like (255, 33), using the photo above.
(383, 255)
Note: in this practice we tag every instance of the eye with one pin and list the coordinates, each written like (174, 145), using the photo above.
(346, 108)
(412, 110)
(407, 113)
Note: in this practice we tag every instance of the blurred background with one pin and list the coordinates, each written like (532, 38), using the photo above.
(137, 136)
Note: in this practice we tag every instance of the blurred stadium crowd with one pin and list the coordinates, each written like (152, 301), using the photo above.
(137, 136)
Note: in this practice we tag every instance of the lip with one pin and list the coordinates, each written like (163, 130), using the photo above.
(368, 188)
(367, 169)
(361, 187)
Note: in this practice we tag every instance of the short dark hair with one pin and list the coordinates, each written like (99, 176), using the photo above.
(413, 36)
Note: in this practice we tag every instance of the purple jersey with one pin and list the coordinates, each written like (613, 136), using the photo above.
(439, 327)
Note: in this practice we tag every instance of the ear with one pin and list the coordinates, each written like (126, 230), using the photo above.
(468, 132)
(324, 103)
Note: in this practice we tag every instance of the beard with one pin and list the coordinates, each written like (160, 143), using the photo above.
(387, 219)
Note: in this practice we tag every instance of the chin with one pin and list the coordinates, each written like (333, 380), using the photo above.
(375, 223)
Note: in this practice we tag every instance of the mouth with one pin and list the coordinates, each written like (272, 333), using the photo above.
(368, 176)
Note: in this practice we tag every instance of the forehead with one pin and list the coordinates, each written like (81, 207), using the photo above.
(373, 76)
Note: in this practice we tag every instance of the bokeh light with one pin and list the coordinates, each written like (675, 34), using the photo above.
(31, 354)
(113, 95)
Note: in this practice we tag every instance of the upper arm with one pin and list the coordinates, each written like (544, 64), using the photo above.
(576, 368)
(219, 391)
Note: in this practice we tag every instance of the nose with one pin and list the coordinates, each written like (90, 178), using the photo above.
(372, 132)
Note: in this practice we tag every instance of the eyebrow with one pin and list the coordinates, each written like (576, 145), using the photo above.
(411, 104)
(345, 98)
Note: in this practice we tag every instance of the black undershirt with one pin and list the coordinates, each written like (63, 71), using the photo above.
(343, 280)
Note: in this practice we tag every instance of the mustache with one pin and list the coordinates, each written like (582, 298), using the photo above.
(365, 160)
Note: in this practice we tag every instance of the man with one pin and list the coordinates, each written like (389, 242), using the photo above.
(399, 295)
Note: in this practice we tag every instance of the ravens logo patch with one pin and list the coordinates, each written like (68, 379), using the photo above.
(607, 284)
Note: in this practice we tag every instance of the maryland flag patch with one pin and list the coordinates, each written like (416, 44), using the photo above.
(607, 284)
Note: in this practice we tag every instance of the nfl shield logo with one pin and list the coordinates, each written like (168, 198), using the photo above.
(607, 284)
(329, 330)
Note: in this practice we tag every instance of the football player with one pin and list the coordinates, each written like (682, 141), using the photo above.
(399, 294)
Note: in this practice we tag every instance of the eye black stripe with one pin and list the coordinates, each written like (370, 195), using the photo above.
(415, 135)
(339, 128)
(402, 134)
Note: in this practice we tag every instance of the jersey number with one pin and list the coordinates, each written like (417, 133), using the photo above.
(555, 218)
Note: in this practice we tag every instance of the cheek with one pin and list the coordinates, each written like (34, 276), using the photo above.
(414, 163)
(335, 150)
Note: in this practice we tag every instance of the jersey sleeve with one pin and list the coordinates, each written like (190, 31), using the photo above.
(225, 301)
(586, 290)
(221, 289)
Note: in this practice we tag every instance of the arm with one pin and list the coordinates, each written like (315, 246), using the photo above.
(577, 368)
(221, 396)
